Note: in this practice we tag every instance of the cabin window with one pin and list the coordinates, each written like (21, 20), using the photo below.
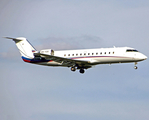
(76, 54)
(88, 53)
(101, 53)
(64, 54)
(105, 52)
(80, 54)
(92, 53)
(72, 54)
(97, 53)
(113, 52)
(109, 52)
(84, 53)
(68, 54)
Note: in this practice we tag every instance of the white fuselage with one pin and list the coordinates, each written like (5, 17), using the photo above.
(99, 56)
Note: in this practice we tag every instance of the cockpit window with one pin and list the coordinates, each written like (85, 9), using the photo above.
(131, 50)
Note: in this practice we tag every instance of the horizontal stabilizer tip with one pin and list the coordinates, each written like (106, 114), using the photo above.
(15, 39)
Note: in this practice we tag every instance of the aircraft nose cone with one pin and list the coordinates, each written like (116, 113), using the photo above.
(145, 57)
(141, 57)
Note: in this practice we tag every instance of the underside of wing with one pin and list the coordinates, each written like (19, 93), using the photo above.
(65, 61)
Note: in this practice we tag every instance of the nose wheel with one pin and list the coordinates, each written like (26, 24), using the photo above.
(135, 67)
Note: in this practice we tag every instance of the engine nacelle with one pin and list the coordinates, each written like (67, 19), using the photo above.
(47, 51)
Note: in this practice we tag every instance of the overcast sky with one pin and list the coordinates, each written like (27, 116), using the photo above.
(32, 92)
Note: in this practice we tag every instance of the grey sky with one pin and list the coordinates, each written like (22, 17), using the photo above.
(31, 92)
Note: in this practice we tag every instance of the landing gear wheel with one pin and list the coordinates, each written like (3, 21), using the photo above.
(82, 71)
(135, 67)
(73, 69)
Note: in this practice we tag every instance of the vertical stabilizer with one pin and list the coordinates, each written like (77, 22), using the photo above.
(25, 48)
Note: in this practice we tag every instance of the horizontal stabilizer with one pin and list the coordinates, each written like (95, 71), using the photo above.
(14, 39)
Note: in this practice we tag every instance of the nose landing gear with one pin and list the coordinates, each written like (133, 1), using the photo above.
(135, 67)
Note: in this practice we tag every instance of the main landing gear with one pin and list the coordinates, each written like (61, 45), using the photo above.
(74, 69)
(135, 67)
(82, 70)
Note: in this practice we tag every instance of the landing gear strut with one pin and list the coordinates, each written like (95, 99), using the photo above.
(135, 67)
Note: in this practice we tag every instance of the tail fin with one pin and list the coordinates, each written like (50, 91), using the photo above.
(25, 48)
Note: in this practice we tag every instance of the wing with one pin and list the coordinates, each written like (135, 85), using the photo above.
(65, 61)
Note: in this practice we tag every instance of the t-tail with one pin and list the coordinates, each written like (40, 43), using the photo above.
(26, 49)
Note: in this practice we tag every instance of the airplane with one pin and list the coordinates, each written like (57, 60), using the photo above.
(80, 59)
